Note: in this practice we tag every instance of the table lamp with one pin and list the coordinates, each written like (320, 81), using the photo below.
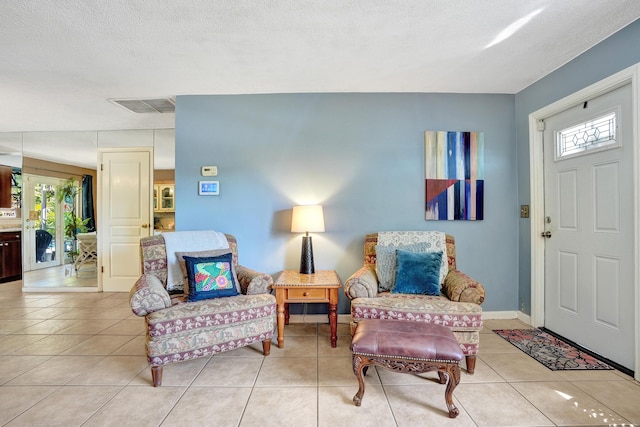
(305, 219)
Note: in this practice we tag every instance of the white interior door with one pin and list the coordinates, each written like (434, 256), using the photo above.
(588, 203)
(125, 213)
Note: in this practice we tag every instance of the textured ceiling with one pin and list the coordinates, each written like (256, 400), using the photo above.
(61, 60)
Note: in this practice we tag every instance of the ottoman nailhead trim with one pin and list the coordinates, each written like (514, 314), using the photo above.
(421, 359)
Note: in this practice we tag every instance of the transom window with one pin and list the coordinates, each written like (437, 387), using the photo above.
(590, 135)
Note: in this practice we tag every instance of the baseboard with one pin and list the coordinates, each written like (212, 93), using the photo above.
(523, 317)
(491, 315)
(346, 318)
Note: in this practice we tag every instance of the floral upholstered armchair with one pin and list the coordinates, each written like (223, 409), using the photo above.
(179, 328)
(455, 302)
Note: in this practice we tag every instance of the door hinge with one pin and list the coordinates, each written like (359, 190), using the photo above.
(540, 125)
(102, 269)
(101, 166)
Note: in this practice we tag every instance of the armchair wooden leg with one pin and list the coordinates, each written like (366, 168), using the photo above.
(156, 375)
(471, 364)
(266, 347)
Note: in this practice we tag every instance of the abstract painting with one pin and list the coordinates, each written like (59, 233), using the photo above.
(454, 175)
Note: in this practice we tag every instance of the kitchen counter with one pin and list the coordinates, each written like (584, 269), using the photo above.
(10, 225)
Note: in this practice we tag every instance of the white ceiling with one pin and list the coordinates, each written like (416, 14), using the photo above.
(61, 60)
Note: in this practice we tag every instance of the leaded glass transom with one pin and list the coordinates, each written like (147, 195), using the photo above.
(590, 135)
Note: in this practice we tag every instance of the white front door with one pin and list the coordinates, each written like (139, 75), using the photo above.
(125, 214)
(589, 221)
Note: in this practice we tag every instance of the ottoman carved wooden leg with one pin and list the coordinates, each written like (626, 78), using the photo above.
(360, 369)
(407, 347)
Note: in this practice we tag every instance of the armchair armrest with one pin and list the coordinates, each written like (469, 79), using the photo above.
(253, 282)
(460, 287)
(148, 295)
(362, 284)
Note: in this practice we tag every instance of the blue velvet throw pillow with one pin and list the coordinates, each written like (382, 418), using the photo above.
(417, 273)
(210, 277)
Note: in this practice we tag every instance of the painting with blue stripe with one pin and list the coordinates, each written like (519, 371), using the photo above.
(454, 175)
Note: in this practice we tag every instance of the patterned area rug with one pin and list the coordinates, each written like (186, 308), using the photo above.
(552, 352)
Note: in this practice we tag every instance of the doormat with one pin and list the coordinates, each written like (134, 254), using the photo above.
(552, 352)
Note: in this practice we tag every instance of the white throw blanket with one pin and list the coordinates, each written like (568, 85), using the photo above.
(188, 241)
(437, 243)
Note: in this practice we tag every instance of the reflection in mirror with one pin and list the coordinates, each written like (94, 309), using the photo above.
(56, 161)
(59, 172)
(164, 218)
(10, 212)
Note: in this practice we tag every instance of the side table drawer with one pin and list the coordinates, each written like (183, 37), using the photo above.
(307, 293)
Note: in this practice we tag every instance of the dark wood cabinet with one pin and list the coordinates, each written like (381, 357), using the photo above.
(10, 256)
(5, 186)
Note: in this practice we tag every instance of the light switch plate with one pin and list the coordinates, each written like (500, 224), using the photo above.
(209, 171)
(524, 211)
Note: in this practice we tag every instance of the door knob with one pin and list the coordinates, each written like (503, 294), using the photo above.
(145, 225)
(546, 234)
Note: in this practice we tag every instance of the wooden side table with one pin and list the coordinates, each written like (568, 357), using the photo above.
(322, 286)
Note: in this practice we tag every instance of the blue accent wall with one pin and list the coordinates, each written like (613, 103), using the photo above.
(359, 155)
(614, 54)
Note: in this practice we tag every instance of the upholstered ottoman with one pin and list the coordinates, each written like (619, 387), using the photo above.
(464, 319)
(407, 347)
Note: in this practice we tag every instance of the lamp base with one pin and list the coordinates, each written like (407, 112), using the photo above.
(306, 256)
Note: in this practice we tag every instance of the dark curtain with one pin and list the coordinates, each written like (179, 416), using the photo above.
(87, 202)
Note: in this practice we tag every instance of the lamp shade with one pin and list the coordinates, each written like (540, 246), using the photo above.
(307, 218)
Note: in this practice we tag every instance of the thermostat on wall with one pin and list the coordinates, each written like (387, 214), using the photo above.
(208, 188)
(209, 171)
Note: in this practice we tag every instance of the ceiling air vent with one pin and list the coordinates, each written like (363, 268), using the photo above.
(154, 105)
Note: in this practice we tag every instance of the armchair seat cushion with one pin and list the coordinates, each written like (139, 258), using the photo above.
(209, 312)
(203, 328)
(461, 316)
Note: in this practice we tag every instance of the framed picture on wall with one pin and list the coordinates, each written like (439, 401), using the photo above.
(454, 175)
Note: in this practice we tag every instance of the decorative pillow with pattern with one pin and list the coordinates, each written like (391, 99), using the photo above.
(417, 273)
(201, 254)
(386, 262)
(210, 277)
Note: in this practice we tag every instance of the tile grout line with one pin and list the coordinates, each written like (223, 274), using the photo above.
(122, 387)
(186, 388)
(34, 404)
(253, 387)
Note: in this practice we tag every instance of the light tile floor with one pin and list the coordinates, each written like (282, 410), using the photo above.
(63, 276)
(77, 359)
